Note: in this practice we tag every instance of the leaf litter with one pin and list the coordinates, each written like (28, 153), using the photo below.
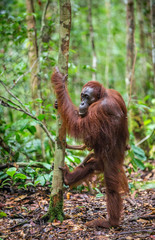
(21, 211)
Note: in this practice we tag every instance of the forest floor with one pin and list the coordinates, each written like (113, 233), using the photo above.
(25, 208)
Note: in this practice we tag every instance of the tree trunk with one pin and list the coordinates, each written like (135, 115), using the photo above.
(141, 24)
(55, 210)
(152, 5)
(33, 57)
(94, 61)
(130, 47)
(142, 74)
(33, 48)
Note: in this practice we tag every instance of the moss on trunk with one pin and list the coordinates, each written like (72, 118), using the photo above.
(55, 210)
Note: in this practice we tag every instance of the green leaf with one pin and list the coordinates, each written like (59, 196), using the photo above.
(47, 165)
(3, 175)
(32, 129)
(134, 165)
(11, 171)
(20, 125)
(139, 163)
(20, 176)
(39, 100)
(28, 184)
(77, 160)
(99, 195)
(40, 180)
(139, 153)
(6, 182)
(148, 185)
(54, 116)
(3, 214)
(41, 117)
(73, 159)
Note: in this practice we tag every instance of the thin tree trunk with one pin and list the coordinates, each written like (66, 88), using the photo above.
(130, 47)
(34, 60)
(33, 48)
(152, 5)
(142, 74)
(141, 24)
(33, 57)
(55, 210)
(94, 60)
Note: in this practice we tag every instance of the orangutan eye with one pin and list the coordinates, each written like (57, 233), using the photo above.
(87, 97)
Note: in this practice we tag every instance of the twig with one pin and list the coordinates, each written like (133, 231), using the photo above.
(8, 100)
(144, 139)
(24, 74)
(18, 100)
(131, 201)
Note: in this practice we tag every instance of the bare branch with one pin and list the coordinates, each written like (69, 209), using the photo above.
(6, 104)
(18, 100)
(144, 139)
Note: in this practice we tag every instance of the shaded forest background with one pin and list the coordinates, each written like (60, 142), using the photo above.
(101, 49)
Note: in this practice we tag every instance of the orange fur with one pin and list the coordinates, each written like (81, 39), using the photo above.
(105, 130)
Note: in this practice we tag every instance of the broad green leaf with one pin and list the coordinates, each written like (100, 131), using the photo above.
(40, 180)
(28, 184)
(11, 171)
(47, 165)
(139, 153)
(32, 129)
(139, 163)
(41, 117)
(20, 175)
(99, 195)
(3, 214)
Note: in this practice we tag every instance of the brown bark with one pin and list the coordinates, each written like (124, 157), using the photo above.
(55, 210)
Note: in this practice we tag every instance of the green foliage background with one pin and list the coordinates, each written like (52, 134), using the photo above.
(109, 22)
